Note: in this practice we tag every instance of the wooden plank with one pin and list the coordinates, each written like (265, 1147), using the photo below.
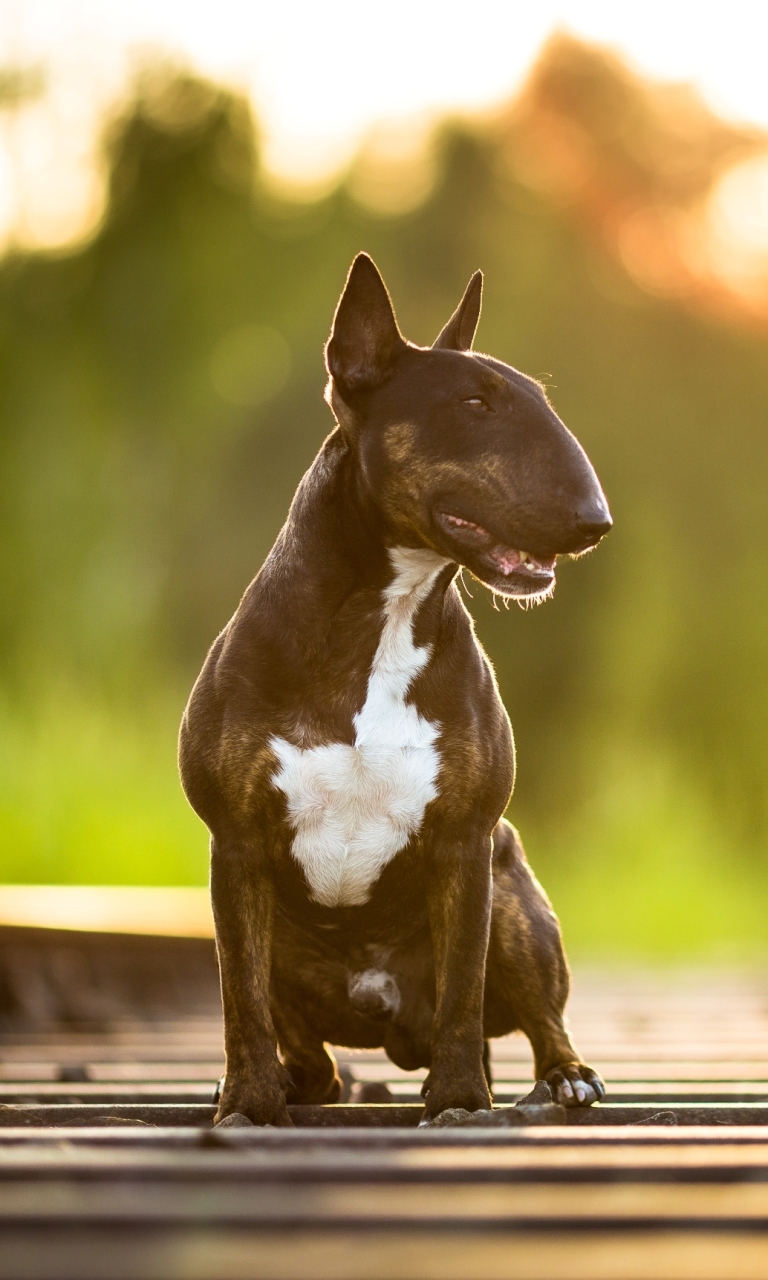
(422, 1162)
(359, 1203)
(238, 1253)
(362, 1190)
(555, 1137)
(731, 1075)
(672, 1050)
(88, 1092)
(13, 1073)
(676, 1113)
(194, 1046)
(695, 1091)
(682, 1069)
(66, 1114)
(128, 1067)
(653, 1095)
(406, 1115)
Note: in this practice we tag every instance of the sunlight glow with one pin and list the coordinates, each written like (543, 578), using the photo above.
(740, 205)
(737, 222)
(176, 912)
(322, 76)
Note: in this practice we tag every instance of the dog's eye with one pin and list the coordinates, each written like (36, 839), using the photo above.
(478, 402)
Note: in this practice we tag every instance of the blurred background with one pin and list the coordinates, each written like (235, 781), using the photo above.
(181, 194)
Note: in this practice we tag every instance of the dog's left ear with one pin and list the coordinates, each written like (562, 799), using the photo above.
(365, 338)
(459, 332)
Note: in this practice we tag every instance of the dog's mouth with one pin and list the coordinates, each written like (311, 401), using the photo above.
(514, 573)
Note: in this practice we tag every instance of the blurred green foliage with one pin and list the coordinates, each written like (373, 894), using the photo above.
(161, 395)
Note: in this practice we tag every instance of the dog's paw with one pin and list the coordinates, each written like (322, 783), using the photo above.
(574, 1084)
(235, 1111)
(456, 1095)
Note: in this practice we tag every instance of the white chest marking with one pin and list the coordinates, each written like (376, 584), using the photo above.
(353, 808)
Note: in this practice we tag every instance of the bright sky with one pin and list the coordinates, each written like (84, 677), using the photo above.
(322, 72)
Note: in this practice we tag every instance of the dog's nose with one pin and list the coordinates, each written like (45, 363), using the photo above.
(593, 522)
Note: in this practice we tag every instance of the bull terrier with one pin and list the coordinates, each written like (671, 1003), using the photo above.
(347, 747)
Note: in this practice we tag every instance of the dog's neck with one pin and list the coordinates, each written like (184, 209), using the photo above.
(338, 543)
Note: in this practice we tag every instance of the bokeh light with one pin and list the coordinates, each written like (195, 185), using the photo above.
(321, 77)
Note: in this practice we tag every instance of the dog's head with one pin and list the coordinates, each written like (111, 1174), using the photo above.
(460, 452)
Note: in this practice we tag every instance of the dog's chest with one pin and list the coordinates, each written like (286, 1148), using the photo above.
(353, 807)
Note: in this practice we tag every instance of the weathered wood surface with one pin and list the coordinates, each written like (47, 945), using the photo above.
(374, 1115)
(235, 1252)
(109, 1167)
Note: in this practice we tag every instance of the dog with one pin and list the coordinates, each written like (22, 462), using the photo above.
(347, 747)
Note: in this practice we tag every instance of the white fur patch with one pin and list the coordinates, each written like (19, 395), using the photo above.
(377, 986)
(354, 807)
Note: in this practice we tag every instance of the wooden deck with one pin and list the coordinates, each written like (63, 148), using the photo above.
(110, 1168)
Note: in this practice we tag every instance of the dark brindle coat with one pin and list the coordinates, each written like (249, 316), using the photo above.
(347, 746)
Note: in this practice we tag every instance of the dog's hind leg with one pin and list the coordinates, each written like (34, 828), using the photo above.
(527, 978)
(314, 1077)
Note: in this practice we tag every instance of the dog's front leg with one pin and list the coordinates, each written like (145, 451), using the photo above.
(242, 894)
(459, 895)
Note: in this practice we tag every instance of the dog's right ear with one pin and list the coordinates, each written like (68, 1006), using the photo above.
(364, 336)
(459, 333)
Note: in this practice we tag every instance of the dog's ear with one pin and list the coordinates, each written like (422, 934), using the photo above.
(364, 336)
(459, 332)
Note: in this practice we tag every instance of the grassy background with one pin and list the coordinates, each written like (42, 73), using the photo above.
(645, 871)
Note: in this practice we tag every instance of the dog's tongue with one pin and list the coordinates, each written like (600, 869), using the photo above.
(509, 561)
